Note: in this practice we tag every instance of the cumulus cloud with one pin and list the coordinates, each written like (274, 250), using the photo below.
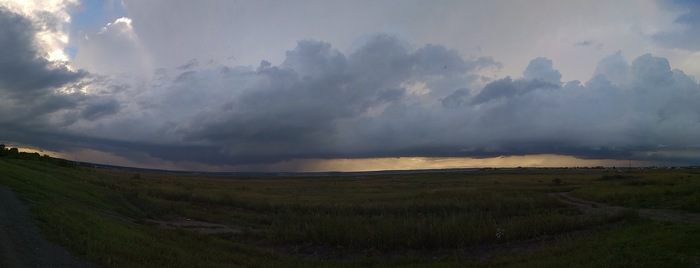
(542, 69)
(295, 109)
(39, 96)
(507, 88)
(116, 48)
(23, 69)
(320, 103)
(614, 67)
(28, 80)
(49, 21)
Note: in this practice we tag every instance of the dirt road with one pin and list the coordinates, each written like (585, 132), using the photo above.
(668, 215)
(21, 243)
(587, 208)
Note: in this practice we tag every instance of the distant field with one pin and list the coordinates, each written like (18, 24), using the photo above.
(476, 218)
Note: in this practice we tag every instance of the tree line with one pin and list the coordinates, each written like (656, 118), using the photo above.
(14, 153)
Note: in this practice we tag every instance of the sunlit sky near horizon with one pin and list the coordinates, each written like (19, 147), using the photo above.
(352, 85)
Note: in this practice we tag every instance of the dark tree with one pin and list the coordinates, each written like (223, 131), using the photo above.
(556, 181)
(14, 152)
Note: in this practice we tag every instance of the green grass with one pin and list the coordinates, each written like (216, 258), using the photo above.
(430, 219)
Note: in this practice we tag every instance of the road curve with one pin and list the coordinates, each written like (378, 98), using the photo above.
(21, 242)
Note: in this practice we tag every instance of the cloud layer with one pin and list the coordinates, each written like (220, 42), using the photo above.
(383, 98)
(687, 33)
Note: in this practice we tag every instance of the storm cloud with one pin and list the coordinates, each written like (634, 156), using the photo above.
(37, 95)
(386, 100)
(382, 97)
(23, 72)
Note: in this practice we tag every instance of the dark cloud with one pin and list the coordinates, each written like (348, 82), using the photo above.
(630, 118)
(507, 88)
(295, 109)
(687, 37)
(189, 65)
(97, 109)
(23, 70)
(184, 76)
(584, 43)
(589, 43)
(381, 99)
(456, 99)
(36, 95)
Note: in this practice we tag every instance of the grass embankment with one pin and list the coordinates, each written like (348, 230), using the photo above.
(432, 219)
(91, 218)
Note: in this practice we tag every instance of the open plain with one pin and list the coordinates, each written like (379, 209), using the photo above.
(504, 218)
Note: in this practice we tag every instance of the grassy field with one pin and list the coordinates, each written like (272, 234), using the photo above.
(481, 218)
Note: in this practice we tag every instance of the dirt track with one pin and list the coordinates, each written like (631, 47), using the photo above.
(21, 243)
(666, 215)
(587, 208)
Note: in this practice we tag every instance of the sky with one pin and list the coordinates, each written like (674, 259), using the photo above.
(226, 85)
